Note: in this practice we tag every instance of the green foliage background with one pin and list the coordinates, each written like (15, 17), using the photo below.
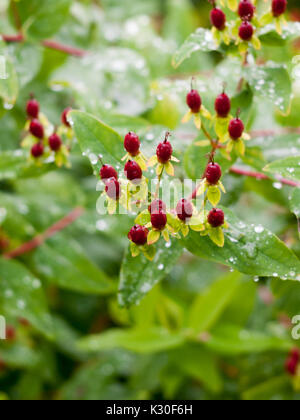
(209, 323)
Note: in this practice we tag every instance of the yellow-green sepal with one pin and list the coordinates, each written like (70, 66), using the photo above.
(217, 236)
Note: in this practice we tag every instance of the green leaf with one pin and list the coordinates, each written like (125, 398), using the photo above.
(269, 390)
(287, 168)
(277, 147)
(272, 82)
(269, 36)
(62, 261)
(209, 305)
(150, 340)
(199, 364)
(295, 202)
(96, 138)
(139, 275)
(8, 82)
(249, 249)
(22, 296)
(43, 18)
(14, 164)
(231, 340)
(201, 40)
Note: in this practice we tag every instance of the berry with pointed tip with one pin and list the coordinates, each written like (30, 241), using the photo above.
(236, 128)
(138, 235)
(64, 117)
(184, 210)
(10, 333)
(164, 152)
(159, 220)
(132, 144)
(37, 150)
(133, 171)
(246, 10)
(55, 142)
(113, 189)
(218, 18)
(33, 108)
(279, 7)
(107, 172)
(194, 101)
(157, 206)
(223, 105)
(213, 173)
(36, 129)
(216, 218)
(246, 31)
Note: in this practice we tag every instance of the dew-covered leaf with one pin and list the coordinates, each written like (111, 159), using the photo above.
(273, 82)
(249, 249)
(22, 296)
(63, 262)
(139, 275)
(288, 168)
(96, 138)
(201, 40)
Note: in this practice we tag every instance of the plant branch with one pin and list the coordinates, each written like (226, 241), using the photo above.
(259, 175)
(48, 43)
(40, 239)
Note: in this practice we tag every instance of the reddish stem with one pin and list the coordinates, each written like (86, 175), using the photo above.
(48, 43)
(76, 52)
(259, 175)
(40, 239)
(13, 38)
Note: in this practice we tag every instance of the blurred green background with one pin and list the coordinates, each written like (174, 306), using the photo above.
(128, 82)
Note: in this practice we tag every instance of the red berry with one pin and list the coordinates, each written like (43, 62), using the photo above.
(64, 117)
(236, 128)
(184, 210)
(138, 235)
(157, 206)
(55, 142)
(159, 220)
(216, 218)
(164, 152)
(222, 105)
(133, 171)
(213, 173)
(246, 31)
(132, 144)
(218, 18)
(10, 333)
(246, 10)
(279, 7)
(33, 108)
(295, 354)
(291, 366)
(113, 189)
(107, 172)
(37, 150)
(36, 129)
(194, 101)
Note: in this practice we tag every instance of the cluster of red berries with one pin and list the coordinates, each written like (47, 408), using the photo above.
(222, 107)
(132, 170)
(246, 10)
(293, 362)
(37, 130)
